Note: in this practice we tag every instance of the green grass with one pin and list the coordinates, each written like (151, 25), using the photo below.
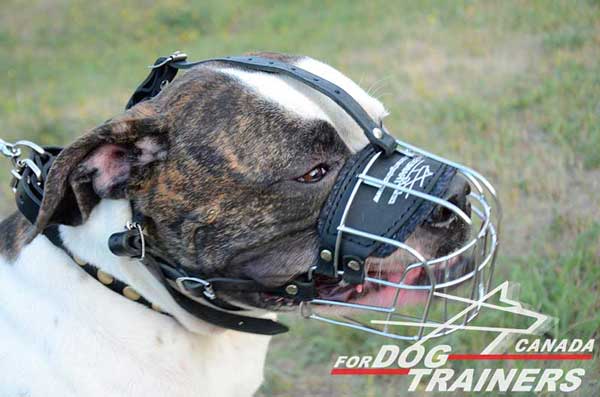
(511, 88)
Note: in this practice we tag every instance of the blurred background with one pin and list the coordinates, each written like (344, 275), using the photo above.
(511, 88)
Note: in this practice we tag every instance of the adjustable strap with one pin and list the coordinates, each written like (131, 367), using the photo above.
(110, 282)
(29, 191)
(165, 69)
(162, 74)
(228, 320)
(182, 285)
(297, 289)
(215, 316)
(29, 184)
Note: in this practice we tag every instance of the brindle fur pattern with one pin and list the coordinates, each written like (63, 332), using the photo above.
(15, 231)
(223, 200)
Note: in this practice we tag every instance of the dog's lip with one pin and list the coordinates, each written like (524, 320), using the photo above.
(329, 289)
(368, 293)
(333, 289)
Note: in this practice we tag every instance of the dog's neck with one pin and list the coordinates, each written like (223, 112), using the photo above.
(78, 332)
(89, 242)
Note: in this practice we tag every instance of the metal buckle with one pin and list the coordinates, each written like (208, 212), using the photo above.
(28, 163)
(134, 225)
(30, 145)
(13, 151)
(9, 150)
(208, 290)
(174, 57)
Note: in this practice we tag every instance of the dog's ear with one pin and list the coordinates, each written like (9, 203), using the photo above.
(103, 163)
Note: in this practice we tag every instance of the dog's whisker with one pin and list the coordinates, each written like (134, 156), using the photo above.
(378, 84)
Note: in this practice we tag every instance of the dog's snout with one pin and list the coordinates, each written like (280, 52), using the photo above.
(457, 194)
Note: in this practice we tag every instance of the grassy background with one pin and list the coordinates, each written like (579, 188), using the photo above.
(511, 88)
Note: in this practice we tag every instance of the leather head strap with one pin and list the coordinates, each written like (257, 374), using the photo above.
(165, 70)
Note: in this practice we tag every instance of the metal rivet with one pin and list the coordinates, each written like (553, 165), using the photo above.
(131, 293)
(377, 133)
(291, 289)
(157, 308)
(326, 255)
(79, 261)
(104, 277)
(354, 265)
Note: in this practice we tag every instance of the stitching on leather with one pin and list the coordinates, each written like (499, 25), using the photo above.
(357, 163)
(335, 195)
(445, 174)
(395, 224)
(377, 245)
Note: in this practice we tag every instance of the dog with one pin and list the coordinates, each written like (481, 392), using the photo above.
(231, 167)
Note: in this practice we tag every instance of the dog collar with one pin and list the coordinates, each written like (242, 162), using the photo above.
(106, 279)
(28, 184)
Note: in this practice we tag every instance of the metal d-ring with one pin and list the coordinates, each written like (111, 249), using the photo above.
(208, 291)
(134, 225)
(9, 150)
(32, 166)
(30, 145)
(174, 57)
(305, 309)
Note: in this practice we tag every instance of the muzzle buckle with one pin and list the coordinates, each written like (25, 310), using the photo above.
(201, 284)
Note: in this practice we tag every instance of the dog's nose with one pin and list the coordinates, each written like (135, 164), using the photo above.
(457, 194)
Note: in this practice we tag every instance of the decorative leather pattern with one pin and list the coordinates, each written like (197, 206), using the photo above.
(380, 211)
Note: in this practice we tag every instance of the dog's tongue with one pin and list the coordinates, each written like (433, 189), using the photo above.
(386, 295)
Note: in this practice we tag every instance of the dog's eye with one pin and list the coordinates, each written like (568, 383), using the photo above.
(314, 175)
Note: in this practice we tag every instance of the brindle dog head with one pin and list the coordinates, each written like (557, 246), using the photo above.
(230, 179)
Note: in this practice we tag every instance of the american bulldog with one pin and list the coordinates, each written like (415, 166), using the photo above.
(230, 167)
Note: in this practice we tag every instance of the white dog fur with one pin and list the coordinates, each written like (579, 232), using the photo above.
(64, 334)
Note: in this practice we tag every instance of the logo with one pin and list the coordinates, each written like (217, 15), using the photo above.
(414, 172)
(426, 366)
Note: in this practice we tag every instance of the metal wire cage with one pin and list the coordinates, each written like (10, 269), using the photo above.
(434, 301)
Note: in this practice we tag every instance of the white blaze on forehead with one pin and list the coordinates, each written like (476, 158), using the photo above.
(279, 90)
(350, 132)
(310, 104)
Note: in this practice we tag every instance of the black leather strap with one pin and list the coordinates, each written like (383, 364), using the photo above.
(382, 212)
(156, 80)
(112, 283)
(228, 320)
(126, 244)
(30, 189)
(162, 75)
(29, 194)
(223, 319)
